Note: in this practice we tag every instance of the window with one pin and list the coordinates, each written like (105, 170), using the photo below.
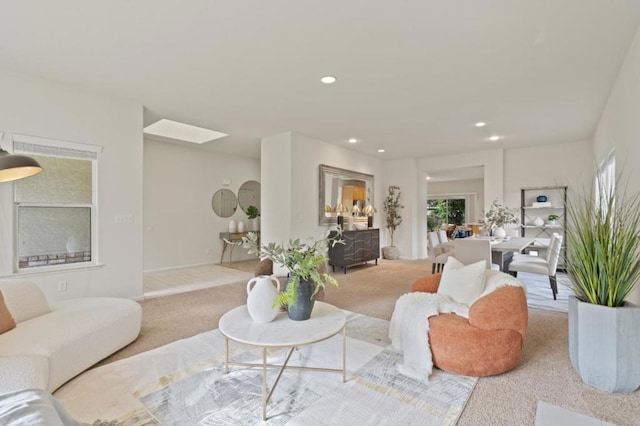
(55, 210)
(605, 184)
(445, 211)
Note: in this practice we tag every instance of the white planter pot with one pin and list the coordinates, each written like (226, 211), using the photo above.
(604, 344)
(390, 252)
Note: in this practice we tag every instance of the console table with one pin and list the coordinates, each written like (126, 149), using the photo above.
(359, 247)
(232, 239)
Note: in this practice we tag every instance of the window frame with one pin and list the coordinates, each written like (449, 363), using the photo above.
(32, 145)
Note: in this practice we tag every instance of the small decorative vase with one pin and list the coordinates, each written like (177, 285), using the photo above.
(301, 309)
(350, 224)
(232, 226)
(256, 223)
(538, 222)
(369, 221)
(240, 226)
(260, 298)
(499, 232)
(541, 199)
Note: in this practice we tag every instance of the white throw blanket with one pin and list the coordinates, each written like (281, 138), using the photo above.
(409, 328)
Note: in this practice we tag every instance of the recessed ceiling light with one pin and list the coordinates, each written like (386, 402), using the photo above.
(481, 124)
(181, 131)
(428, 177)
(381, 150)
(328, 79)
(353, 140)
(494, 138)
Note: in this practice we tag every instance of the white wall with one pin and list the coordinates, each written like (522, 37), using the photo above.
(471, 186)
(290, 176)
(619, 126)
(37, 107)
(569, 164)
(180, 226)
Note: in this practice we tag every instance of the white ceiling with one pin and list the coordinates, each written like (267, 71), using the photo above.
(413, 75)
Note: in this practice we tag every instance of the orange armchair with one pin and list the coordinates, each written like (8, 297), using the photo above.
(487, 343)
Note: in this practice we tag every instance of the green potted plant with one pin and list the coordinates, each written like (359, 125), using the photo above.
(497, 217)
(253, 213)
(305, 261)
(392, 209)
(603, 262)
(553, 218)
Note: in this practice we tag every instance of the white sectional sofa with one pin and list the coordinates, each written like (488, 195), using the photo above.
(53, 343)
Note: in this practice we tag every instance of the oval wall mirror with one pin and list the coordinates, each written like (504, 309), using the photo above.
(249, 195)
(224, 202)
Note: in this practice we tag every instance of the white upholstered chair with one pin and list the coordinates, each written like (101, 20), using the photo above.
(540, 265)
(437, 254)
(442, 236)
(471, 250)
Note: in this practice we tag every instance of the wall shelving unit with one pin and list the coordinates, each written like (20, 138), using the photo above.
(531, 209)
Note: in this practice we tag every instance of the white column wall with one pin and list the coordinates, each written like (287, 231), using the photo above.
(404, 174)
(37, 107)
(290, 185)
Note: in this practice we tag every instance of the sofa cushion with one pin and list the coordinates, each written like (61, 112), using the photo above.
(6, 320)
(24, 299)
(23, 372)
(464, 283)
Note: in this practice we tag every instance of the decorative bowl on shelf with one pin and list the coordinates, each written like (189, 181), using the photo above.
(541, 199)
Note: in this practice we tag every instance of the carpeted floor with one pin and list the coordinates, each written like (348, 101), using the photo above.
(183, 383)
(544, 372)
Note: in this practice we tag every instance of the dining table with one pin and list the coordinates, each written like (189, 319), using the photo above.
(501, 249)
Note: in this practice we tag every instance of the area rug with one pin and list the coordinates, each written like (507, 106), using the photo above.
(183, 383)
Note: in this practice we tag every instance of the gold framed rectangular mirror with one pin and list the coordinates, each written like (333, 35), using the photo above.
(343, 192)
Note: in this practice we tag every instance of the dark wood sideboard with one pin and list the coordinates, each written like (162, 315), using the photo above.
(359, 247)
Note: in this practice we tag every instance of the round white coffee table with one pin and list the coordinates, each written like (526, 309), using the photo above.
(326, 321)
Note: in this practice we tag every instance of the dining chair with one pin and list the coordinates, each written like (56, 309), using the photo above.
(442, 236)
(471, 250)
(539, 265)
(535, 258)
(437, 255)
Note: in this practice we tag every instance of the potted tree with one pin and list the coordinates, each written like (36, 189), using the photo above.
(305, 261)
(603, 262)
(392, 210)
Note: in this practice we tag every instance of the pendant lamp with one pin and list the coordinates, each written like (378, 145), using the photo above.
(14, 167)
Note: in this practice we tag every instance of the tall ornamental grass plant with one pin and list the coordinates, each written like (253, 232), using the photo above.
(603, 246)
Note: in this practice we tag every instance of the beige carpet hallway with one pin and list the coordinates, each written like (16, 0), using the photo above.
(544, 372)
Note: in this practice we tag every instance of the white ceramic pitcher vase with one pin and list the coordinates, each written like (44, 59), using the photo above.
(261, 293)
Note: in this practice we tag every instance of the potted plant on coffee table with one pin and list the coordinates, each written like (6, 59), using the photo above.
(305, 261)
(392, 209)
(603, 262)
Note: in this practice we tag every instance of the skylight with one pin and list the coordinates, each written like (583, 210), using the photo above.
(181, 131)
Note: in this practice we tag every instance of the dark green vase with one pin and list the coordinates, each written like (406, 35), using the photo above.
(301, 309)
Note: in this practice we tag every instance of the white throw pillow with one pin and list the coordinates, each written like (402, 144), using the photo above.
(464, 283)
